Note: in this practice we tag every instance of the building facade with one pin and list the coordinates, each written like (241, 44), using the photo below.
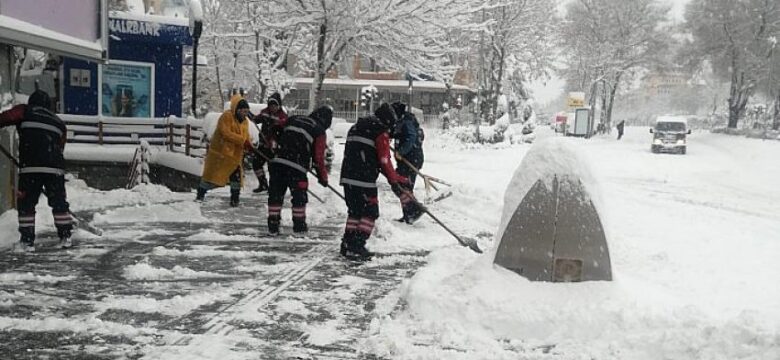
(343, 87)
(58, 28)
(143, 76)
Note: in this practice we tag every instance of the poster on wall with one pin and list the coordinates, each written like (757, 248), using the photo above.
(127, 90)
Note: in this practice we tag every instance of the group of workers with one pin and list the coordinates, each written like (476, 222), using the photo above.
(295, 146)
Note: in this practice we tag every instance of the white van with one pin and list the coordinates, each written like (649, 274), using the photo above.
(670, 134)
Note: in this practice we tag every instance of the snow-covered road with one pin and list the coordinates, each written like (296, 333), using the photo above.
(694, 242)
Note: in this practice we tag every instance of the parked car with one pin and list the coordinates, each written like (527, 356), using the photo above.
(670, 134)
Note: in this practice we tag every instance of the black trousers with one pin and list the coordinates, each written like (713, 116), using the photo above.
(361, 202)
(283, 177)
(362, 211)
(408, 206)
(31, 186)
(258, 161)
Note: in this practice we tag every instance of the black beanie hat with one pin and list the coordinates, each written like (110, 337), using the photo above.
(242, 104)
(400, 109)
(323, 115)
(275, 98)
(39, 98)
(386, 115)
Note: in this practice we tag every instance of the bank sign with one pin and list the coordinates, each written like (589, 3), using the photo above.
(148, 31)
(134, 27)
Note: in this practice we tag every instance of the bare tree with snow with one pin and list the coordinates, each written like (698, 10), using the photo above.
(739, 38)
(604, 41)
(398, 34)
(516, 46)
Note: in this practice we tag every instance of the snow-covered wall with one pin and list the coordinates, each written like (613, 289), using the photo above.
(6, 174)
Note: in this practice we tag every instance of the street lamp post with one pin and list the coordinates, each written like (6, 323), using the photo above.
(478, 119)
(196, 29)
(411, 87)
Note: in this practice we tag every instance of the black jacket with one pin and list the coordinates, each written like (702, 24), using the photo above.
(301, 142)
(408, 140)
(42, 137)
(360, 166)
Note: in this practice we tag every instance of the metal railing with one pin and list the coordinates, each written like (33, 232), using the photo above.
(177, 134)
(429, 121)
(138, 173)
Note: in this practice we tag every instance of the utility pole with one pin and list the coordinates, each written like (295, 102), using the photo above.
(411, 87)
(196, 29)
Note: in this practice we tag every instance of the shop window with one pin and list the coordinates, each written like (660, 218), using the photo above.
(368, 65)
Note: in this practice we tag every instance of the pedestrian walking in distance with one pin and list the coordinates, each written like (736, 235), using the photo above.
(620, 127)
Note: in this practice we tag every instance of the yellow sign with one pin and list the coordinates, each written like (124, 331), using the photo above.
(575, 103)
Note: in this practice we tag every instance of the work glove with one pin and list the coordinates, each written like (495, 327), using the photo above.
(323, 181)
(402, 180)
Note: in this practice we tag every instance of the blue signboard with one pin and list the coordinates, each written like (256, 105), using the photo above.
(144, 70)
(148, 32)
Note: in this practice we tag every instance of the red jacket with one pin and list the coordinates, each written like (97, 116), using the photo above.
(271, 126)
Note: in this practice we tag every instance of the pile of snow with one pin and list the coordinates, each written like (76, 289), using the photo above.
(546, 159)
(82, 198)
(751, 133)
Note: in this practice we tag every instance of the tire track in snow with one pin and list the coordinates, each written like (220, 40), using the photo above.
(219, 324)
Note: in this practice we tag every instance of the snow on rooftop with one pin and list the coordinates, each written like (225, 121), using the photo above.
(7, 22)
(161, 19)
(196, 10)
(402, 84)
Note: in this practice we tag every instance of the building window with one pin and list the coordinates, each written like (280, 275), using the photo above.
(368, 64)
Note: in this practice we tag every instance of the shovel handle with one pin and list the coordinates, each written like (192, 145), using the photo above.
(257, 152)
(469, 244)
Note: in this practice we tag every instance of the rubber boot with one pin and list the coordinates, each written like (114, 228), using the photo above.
(346, 240)
(201, 194)
(412, 213)
(273, 225)
(27, 244)
(262, 186)
(299, 225)
(65, 240)
(234, 197)
(356, 249)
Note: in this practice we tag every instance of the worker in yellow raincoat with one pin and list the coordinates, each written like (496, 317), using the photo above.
(224, 159)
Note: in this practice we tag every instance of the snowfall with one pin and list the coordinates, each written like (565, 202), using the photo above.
(694, 242)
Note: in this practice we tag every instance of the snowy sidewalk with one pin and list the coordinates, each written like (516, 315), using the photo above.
(194, 290)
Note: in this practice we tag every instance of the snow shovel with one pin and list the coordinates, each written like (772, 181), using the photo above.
(427, 180)
(470, 243)
(80, 223)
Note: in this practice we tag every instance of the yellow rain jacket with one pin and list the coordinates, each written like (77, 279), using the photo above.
(226, 150)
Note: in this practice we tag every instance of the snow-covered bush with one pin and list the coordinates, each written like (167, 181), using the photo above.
(491, 134)
(751, 133)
